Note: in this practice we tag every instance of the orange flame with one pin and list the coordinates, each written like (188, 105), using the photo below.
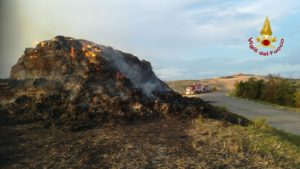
(97, 49)
(94, 99)
(72, 52)
(90, 51)
(89, 54)
(119, 76)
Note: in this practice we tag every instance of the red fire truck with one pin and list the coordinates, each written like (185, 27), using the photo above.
(196, 89)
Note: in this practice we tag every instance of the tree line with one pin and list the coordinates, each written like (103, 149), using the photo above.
(274, 90)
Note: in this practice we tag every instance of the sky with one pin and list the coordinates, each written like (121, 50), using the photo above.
(183, 39)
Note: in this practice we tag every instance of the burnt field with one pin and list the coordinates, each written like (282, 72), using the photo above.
(199, 143)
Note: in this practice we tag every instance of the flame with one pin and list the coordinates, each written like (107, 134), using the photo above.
(72, 52)
(94, 99)
(90, 54)
(119, 76)
(97, 50)
(90, 51)
(86, 47)
(35, 43)
(33, 56)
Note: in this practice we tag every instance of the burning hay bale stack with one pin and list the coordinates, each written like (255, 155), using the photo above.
(70, 82)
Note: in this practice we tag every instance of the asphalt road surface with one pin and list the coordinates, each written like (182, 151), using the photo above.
(281, 119)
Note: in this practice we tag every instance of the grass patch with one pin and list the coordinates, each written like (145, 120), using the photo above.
(272, 143)
(257, 144)
(230, 93)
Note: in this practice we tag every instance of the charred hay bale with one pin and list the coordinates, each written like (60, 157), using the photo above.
(85, 84)
(189, 111)
(163, 109)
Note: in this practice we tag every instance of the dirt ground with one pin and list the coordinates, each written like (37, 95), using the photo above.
(156, 144)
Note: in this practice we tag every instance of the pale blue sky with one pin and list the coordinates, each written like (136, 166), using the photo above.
(187, 39)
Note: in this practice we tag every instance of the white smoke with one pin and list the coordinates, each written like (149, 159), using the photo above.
(135, 72)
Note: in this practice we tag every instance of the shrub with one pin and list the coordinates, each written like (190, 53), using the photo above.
(297, 99)
(274, 90)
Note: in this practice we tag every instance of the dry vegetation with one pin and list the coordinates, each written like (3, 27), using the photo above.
(198, 143)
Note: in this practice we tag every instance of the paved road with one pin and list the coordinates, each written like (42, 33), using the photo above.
(282, 119)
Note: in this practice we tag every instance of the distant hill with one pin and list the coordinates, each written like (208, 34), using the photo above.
(220, 83)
